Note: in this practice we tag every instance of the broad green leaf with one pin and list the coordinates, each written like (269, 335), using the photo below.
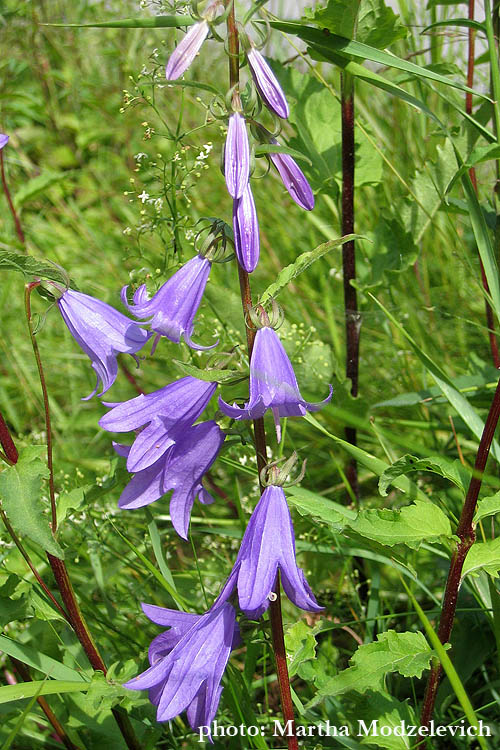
(37, 185)
(21, 498)
(487, 506)
(338, 16)
(210, 376)
(368, 21)
(459, 402)
(12, 609)
(33, 657)
(70, 501)
(317, 506)
(452, 470)
(406, 653)
(347, 48)
(29, 266)
(483, 556)
(300, 645)
(387, 711)
(154, 22)
(391, 250)
(9, 693)
(411, 525)
(302, 263)
(42, 609)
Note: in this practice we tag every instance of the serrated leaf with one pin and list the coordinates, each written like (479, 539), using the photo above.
(29, 266)
(483, 556)
(407, 653)
(452, 470)
(338, 16)
(21, 498)
(368, 21)
(302, 263)
(209, 376)
(37, 185)
(413, 524)
(487, 506)
(327, 511)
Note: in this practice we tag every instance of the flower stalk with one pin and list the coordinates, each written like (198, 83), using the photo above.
(276, 618)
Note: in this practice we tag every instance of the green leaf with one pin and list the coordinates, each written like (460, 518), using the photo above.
(483, 556)
(37, 185)
(339, 16)
(487, 506)
(21, 497)
(392, 250)
(43, 610)
(29, 266)
(452, 470)
(287, 274)
(465, 22)
(411, 525)
(317, 506)
(33, 657)
(300, 645)
(274, 148)
(345, 48)
(154, 22)
(378, 25)
(387, 712)
(209, 376)
(12, 609)
(406, 653)
(70, 501)
(9, 693)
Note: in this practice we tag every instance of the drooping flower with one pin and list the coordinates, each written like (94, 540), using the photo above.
(187, 662)
(173, 308)
(102, 332)
(267, 84)
(180, 469)
(273, 384)
(246, 230)
(236, 156)
(187, 49)
(166, 412)
(293, 178)
(268, 546)
(4, 139)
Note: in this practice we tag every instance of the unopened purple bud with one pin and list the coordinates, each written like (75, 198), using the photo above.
(236, 156)
(267, 84)
(4, 139)
(246, 231)
(185, 52)
(294, 179)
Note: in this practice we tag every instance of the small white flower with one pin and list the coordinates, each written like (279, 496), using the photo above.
(143, 196)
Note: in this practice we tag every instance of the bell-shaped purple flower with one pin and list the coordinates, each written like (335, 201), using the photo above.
(187, 49)
(102, 332)
(267, 84)
(293, 178)
(268, 546)
(273, 384)
(4, 139)
(173, 308)
(187, 662)
(180, 469)
(236, 156)
(166, 412)
(246, 231)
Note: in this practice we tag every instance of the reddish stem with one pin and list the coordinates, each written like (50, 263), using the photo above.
(17, 223)
(7, 443)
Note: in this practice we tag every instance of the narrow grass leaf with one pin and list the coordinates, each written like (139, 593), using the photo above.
(10, 693)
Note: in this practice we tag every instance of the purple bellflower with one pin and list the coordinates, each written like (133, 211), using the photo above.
(246, 231)
(268, 546)
(173, 308)
(293, 178)
(102, 332)
(4, 139)
(166, 412)
(267, 84)
(236, 156)
(180, 469)
(187, 662)
(273, 384)
(187, 49)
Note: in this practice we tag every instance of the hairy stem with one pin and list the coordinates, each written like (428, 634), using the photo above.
(260, 435)
(352, 317)
(58, 566)
(17, 223)
(465, 533)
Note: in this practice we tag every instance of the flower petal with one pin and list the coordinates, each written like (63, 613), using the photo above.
(187, 49)
(267, 84)
(236, 156)
(246, 231)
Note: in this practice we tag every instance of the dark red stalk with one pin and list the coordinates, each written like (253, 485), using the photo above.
(276, 618)
(19, 230)
(352, 316)
(58, 566)
(472, 173)
(7, 443)
(465, 533)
